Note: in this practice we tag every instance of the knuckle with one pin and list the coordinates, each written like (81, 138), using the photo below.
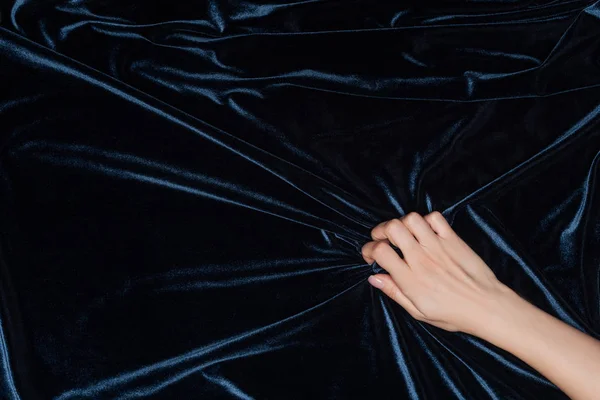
(379, 249)
(411, 218)
(437, 215)
(413, 215)
(393, 226)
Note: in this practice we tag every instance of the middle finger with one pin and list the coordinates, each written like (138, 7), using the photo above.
(398, 234)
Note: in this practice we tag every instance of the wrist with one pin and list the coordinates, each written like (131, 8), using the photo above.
(505, 314)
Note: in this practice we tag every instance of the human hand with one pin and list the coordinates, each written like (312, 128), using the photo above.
(440, 280)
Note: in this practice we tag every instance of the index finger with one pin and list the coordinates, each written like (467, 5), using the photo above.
(389, 260)
(397, 233)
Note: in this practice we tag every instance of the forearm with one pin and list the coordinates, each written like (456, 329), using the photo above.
(564, 355)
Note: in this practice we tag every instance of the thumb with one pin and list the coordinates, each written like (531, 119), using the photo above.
(386, 284)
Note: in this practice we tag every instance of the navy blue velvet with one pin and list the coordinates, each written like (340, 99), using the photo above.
(185, 188)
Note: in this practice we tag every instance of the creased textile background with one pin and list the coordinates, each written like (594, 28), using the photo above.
(185, 187)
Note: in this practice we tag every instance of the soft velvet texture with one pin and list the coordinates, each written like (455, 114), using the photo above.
(185, 187)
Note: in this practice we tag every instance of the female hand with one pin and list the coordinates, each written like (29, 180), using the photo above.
(440, 280)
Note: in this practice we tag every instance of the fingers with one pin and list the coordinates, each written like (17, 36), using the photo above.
(438, 279)
(421, 229)
(397, 233)
(438, 223)
(385, 256)
(386, 284)
(457, 248)
(410, 234)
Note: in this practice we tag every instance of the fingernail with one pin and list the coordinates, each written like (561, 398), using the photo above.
(378, 283)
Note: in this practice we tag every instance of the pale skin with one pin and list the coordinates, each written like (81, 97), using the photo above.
(440, 280)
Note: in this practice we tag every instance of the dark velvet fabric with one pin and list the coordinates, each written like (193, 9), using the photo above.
(185, 187)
